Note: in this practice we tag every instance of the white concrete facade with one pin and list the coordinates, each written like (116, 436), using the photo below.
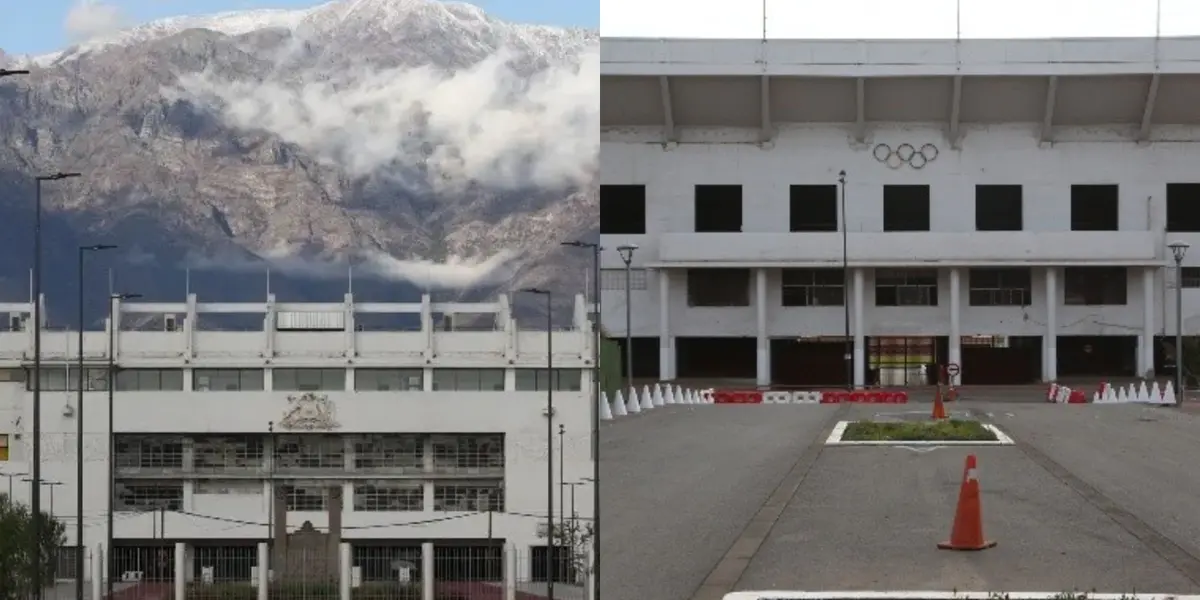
(767, 115)
(192, 411)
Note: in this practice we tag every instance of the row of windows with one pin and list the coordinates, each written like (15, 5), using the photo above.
(244, 380)
(1082, 286)
(368, 496)
(815, 208)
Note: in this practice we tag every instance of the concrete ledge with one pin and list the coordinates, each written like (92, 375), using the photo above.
(835, 439)
(780, 595)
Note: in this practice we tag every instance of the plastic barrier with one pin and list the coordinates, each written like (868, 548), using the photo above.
(808, 397)
(1077, 397)
(777, 398)
(737, 397)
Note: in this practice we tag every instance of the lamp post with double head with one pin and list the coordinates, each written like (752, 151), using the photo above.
(1178, 251)
(627, 251)
(81, 383)
(848, 351)
(595, 306)
(112, 438)
(35, 500)
(550, 542)
(10, 476)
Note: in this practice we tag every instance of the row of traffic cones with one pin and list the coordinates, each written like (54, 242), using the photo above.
(662, 395)
(1132, 393)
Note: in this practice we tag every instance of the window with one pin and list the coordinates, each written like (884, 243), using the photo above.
(813, 208)
(310, 451)
(906, 208)
(393, 453)
(468, 454)
(227, 380)
(469, 496)
(63, 378)
(565, 380)
(614, 279)
(813, 287)
(306, 496)
(1000, 287)
(143, 495)
(1095, 286)
(4, 447)
(389, 380)
(149, 452)
(468, 380)
(623, 209)
(228, 487)
(718, 208)
(906, 287)
(15, 374)
(389, 496)
(1183, 207)
(1094, 208)
(218, 454)
(718, 287)
(66, 562)
(309, 380)
(998, 208)
(150, 380)
(1191, 277)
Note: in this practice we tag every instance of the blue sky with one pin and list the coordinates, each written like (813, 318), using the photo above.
(37, 26)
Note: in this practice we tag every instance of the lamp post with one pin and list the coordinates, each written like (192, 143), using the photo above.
(848, 353)
(595, 248)
(35, 500)
(10, 476)
(549, 438)
(10, 72)
(627, 251)
(49, 484)
(79, 547)
(1178, 251)
(112, 450)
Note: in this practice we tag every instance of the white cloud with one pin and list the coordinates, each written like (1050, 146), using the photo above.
(486, 124)
(87, 19)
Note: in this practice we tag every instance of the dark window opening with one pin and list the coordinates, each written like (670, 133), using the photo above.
(1191, 278)
(718, 287)
(813, 287)
(813, 208)
(718, 208)
(998, 208)
(1000, 286)
(906, 208)
(906, 287)
(623, 209)
(1094, 208)
(1095, 286)
(1183, 207)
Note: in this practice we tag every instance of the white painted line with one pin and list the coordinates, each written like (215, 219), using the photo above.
(781, 595)
(839, 430)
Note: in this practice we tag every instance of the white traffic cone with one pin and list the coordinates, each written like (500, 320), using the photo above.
(647, 398)
(633, 405)
(1168, 397)
(1143, 395)
(1156, 395)
(669, 394)
(657, 398)
(605, 413)
(1110, 394)
(1096, 398)
(618, 406)
(1123, 396)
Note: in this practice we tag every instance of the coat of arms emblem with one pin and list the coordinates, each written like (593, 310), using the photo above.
(309, 412)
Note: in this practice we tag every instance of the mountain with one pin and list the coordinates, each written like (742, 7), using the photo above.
(414, 143)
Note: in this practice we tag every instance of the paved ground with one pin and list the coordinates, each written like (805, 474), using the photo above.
(1092, 497)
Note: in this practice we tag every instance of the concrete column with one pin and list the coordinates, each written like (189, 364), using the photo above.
(180, 570)
(955, 321)
(1146, 359)
(269, 323)
(350, 327)
(97, 567)
(665, 370)
(264, 572)
(763, 372)
(510, 572)
(344, 566)
(1050, 373)
(860, 331)
(427, 571)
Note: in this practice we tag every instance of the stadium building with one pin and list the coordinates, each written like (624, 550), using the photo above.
(382, 439)
(1007, 207)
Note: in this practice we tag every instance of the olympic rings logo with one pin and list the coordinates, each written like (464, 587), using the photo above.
(906, 154)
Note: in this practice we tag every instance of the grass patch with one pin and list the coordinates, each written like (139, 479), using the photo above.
(918, 431)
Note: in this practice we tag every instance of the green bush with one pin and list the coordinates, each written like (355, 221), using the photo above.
(918, 431)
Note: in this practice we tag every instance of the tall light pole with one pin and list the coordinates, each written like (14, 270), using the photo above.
(627, 251)
(50, 484)
(550, 543)
(35, 500)
(10, 476)
(848, 352)
(1178, 251)
(595, 248)
(79, 547)
(112, 438)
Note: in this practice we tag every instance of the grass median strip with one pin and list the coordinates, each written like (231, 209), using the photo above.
(927, 431)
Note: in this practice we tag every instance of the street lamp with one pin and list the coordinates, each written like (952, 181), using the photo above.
(112, 449)
(549, 437)
(79, 547)
(627, 251)
(49, 484)
(595, 406)
(10, 476)
(36, 493)
(1178, 250)
(848, 353)
(10, 72)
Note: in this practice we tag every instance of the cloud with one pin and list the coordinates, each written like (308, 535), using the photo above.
(88, 19)
(454, 273)
(485, 124)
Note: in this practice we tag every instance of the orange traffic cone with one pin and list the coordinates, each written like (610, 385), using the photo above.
(939, 407)
(968, 517)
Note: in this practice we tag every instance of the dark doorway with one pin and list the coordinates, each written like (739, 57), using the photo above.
(645, 357)
(719, 357)
(718, 208)
(1094, 208)
(1097, 355)
(564, 568)
(809, 362)
(1001, 360)
(906, 208)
